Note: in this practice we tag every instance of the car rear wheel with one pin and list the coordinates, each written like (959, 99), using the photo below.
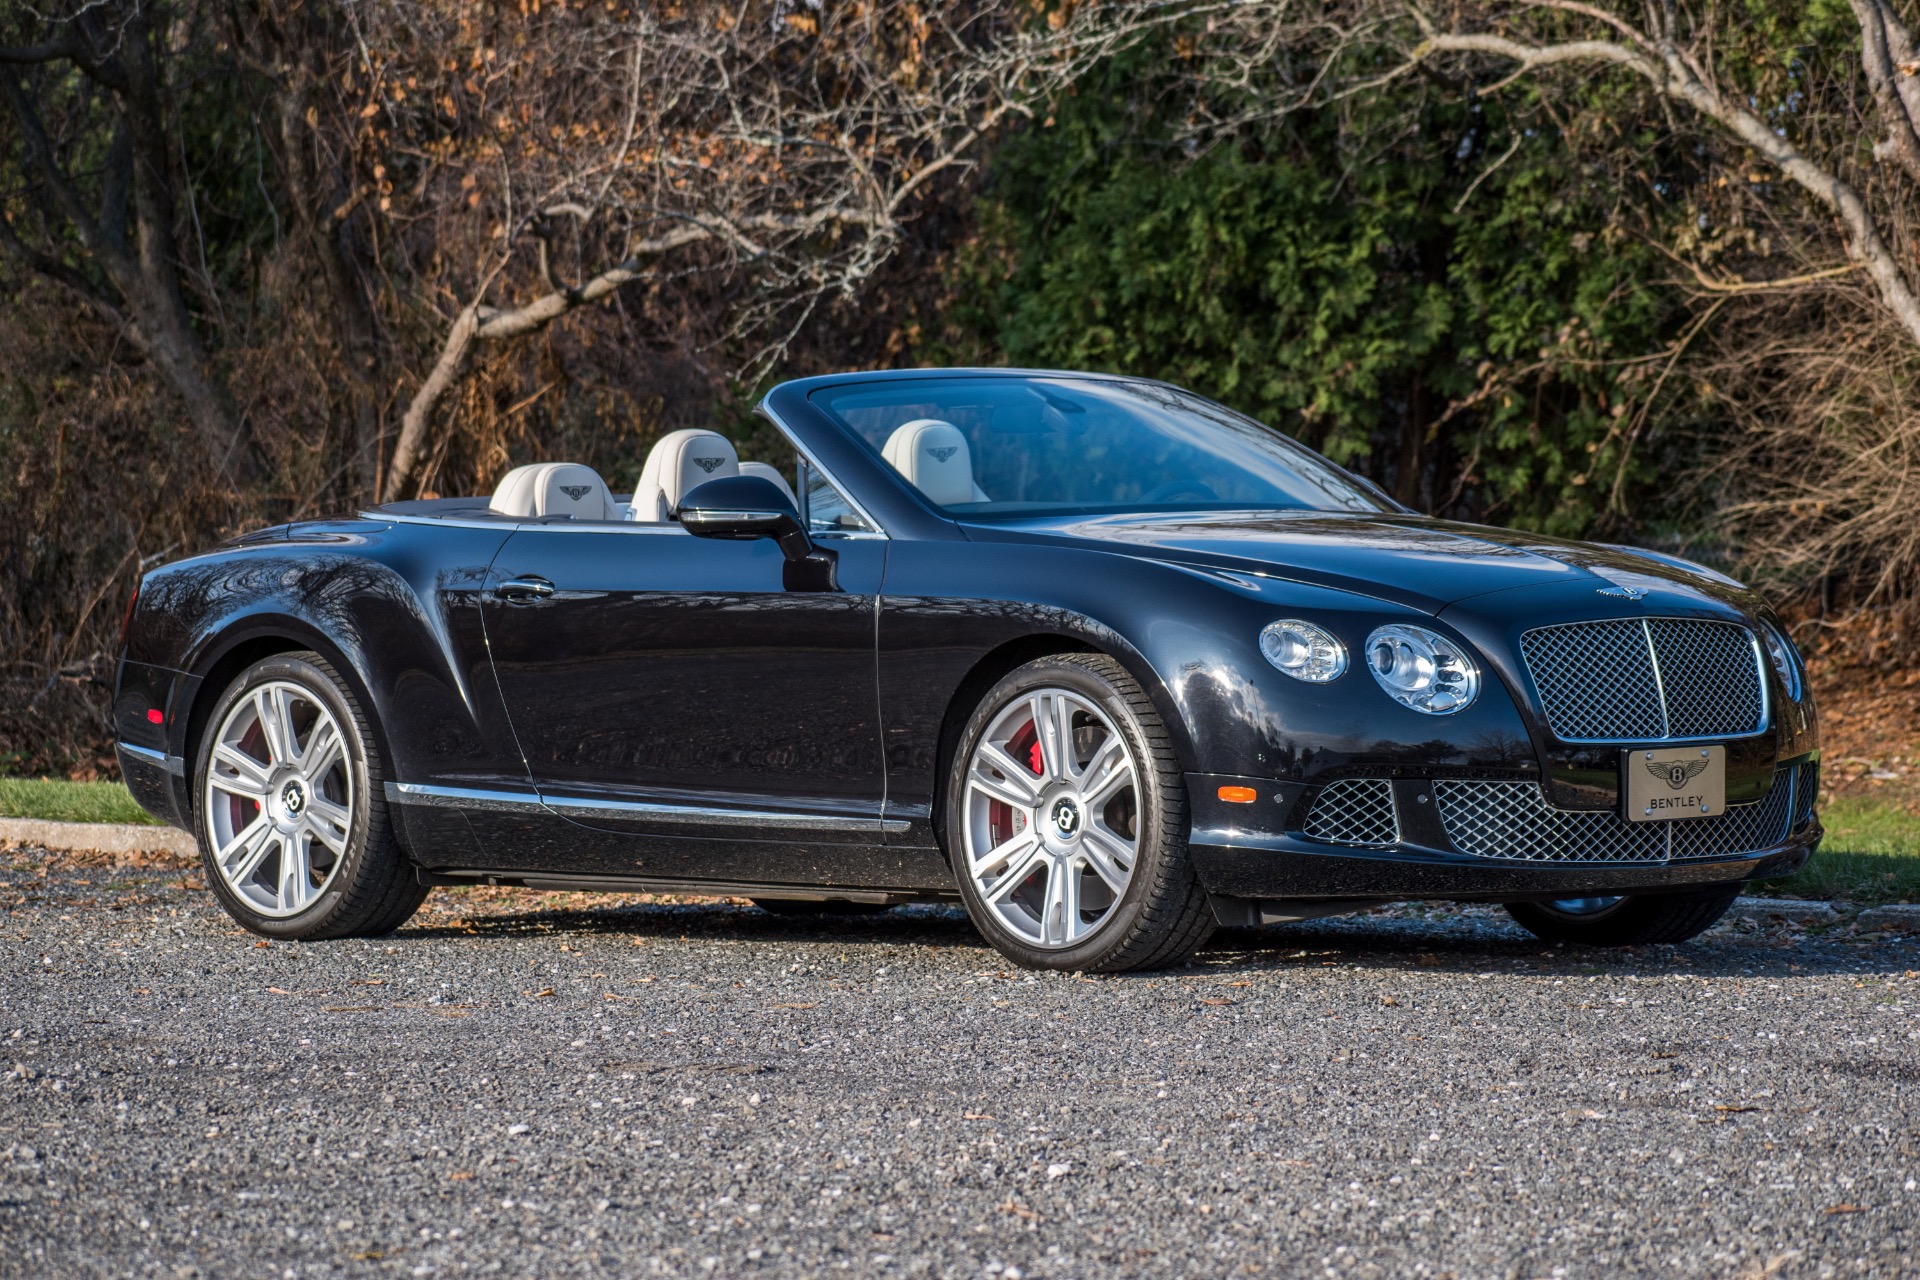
(1631, 921)
(1066, 821)
(290, 808)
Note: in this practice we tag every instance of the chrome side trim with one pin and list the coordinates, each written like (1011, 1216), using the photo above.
(704, 816)
(172, 764)
(631, 810)
(464, 798)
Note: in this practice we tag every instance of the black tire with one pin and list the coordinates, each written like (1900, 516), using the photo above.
(803, 909)
(1163, 915)
(1634, 921)
(372, 889)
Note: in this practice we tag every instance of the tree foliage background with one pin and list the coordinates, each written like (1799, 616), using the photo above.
(265, 259)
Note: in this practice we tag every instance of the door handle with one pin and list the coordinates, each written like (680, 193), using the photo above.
(528, 588)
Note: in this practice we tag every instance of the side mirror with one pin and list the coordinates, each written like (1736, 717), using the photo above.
(743, 508)
(746, 508)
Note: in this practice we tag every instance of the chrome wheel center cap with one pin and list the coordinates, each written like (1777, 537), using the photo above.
(294, 798)
(1066, 818)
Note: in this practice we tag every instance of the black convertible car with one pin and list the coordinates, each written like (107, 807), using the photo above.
(1099, 658)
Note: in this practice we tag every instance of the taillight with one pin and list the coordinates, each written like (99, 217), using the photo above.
(126, 619)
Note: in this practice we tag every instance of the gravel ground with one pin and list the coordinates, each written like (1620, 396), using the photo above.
(545, 1085)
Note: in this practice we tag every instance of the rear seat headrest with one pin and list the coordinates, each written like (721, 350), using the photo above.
(680, 461)
(934, 457)
(553, 489)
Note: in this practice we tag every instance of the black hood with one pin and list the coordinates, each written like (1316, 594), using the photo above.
(1409, 560)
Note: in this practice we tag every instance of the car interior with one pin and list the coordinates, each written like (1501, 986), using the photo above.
(931, 454)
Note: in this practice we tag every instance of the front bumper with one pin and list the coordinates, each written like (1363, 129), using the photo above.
(1261, 850)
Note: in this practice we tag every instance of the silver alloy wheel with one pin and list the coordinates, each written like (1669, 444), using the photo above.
(279, 798)
(1052, 826)
(1583, 906)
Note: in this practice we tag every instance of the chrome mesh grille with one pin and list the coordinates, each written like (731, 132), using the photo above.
(1513, 821)
(1595, 680)
(1354, 811)
(1711, 676)
(1646, 680)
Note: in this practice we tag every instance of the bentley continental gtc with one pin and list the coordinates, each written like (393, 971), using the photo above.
(1101, 660)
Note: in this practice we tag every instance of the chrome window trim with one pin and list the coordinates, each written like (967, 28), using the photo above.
(1762, 665)
(628, 810)
(878, 530)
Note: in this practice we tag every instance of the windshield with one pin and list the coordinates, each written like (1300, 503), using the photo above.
(1006, 447)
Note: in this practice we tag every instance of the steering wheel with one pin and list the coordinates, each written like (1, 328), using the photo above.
(1174, 488)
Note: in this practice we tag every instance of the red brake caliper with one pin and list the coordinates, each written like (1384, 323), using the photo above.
(1000, 815)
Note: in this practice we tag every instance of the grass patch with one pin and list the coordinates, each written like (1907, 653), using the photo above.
(55, 801)
(1871, 855)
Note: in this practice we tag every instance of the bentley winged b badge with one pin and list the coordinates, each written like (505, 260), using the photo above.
(1677, 773)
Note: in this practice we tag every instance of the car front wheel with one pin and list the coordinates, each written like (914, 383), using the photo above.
(1631, 921)
(290, 811)
(1066, 821)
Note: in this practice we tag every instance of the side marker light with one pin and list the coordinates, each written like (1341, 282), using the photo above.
(156, 716)
(1239, 795)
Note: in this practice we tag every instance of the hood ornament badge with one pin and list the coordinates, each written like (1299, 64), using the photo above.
(1624, 593)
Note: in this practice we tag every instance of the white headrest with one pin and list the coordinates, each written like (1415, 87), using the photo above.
(554, 489)
(766, 471)
(680, 461)
(934, 458)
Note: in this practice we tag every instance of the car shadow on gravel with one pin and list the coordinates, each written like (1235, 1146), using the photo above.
(1399, 938)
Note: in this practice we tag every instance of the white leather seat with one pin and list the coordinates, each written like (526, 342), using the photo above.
(766, 471)
(935, 459)
(680, 461)
(554, 489)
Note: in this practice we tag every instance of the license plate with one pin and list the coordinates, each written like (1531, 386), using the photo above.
(1677, 782)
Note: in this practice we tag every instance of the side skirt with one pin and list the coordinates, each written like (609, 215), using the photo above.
(693, 888)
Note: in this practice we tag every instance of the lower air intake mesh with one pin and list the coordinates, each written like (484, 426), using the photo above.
(1354, 811)
(1513, 821)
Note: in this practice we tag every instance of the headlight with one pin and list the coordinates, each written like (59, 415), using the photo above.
(1422, 669)
(1303, 651)
(1786, 658)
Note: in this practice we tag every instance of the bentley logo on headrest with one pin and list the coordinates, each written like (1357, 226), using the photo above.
(576, 491)
(1677, 773)
(1624, 593)
(941, 455)
(708, 465)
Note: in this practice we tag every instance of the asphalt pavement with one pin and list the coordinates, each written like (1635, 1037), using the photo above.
(542, 1085)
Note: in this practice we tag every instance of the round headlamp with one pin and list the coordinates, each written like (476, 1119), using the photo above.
(1303, 651)
(1786, 658)
(1422, 669)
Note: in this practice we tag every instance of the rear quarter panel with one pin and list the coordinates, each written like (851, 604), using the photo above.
(394, 606)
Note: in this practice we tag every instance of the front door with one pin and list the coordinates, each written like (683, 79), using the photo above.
(669, 694)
